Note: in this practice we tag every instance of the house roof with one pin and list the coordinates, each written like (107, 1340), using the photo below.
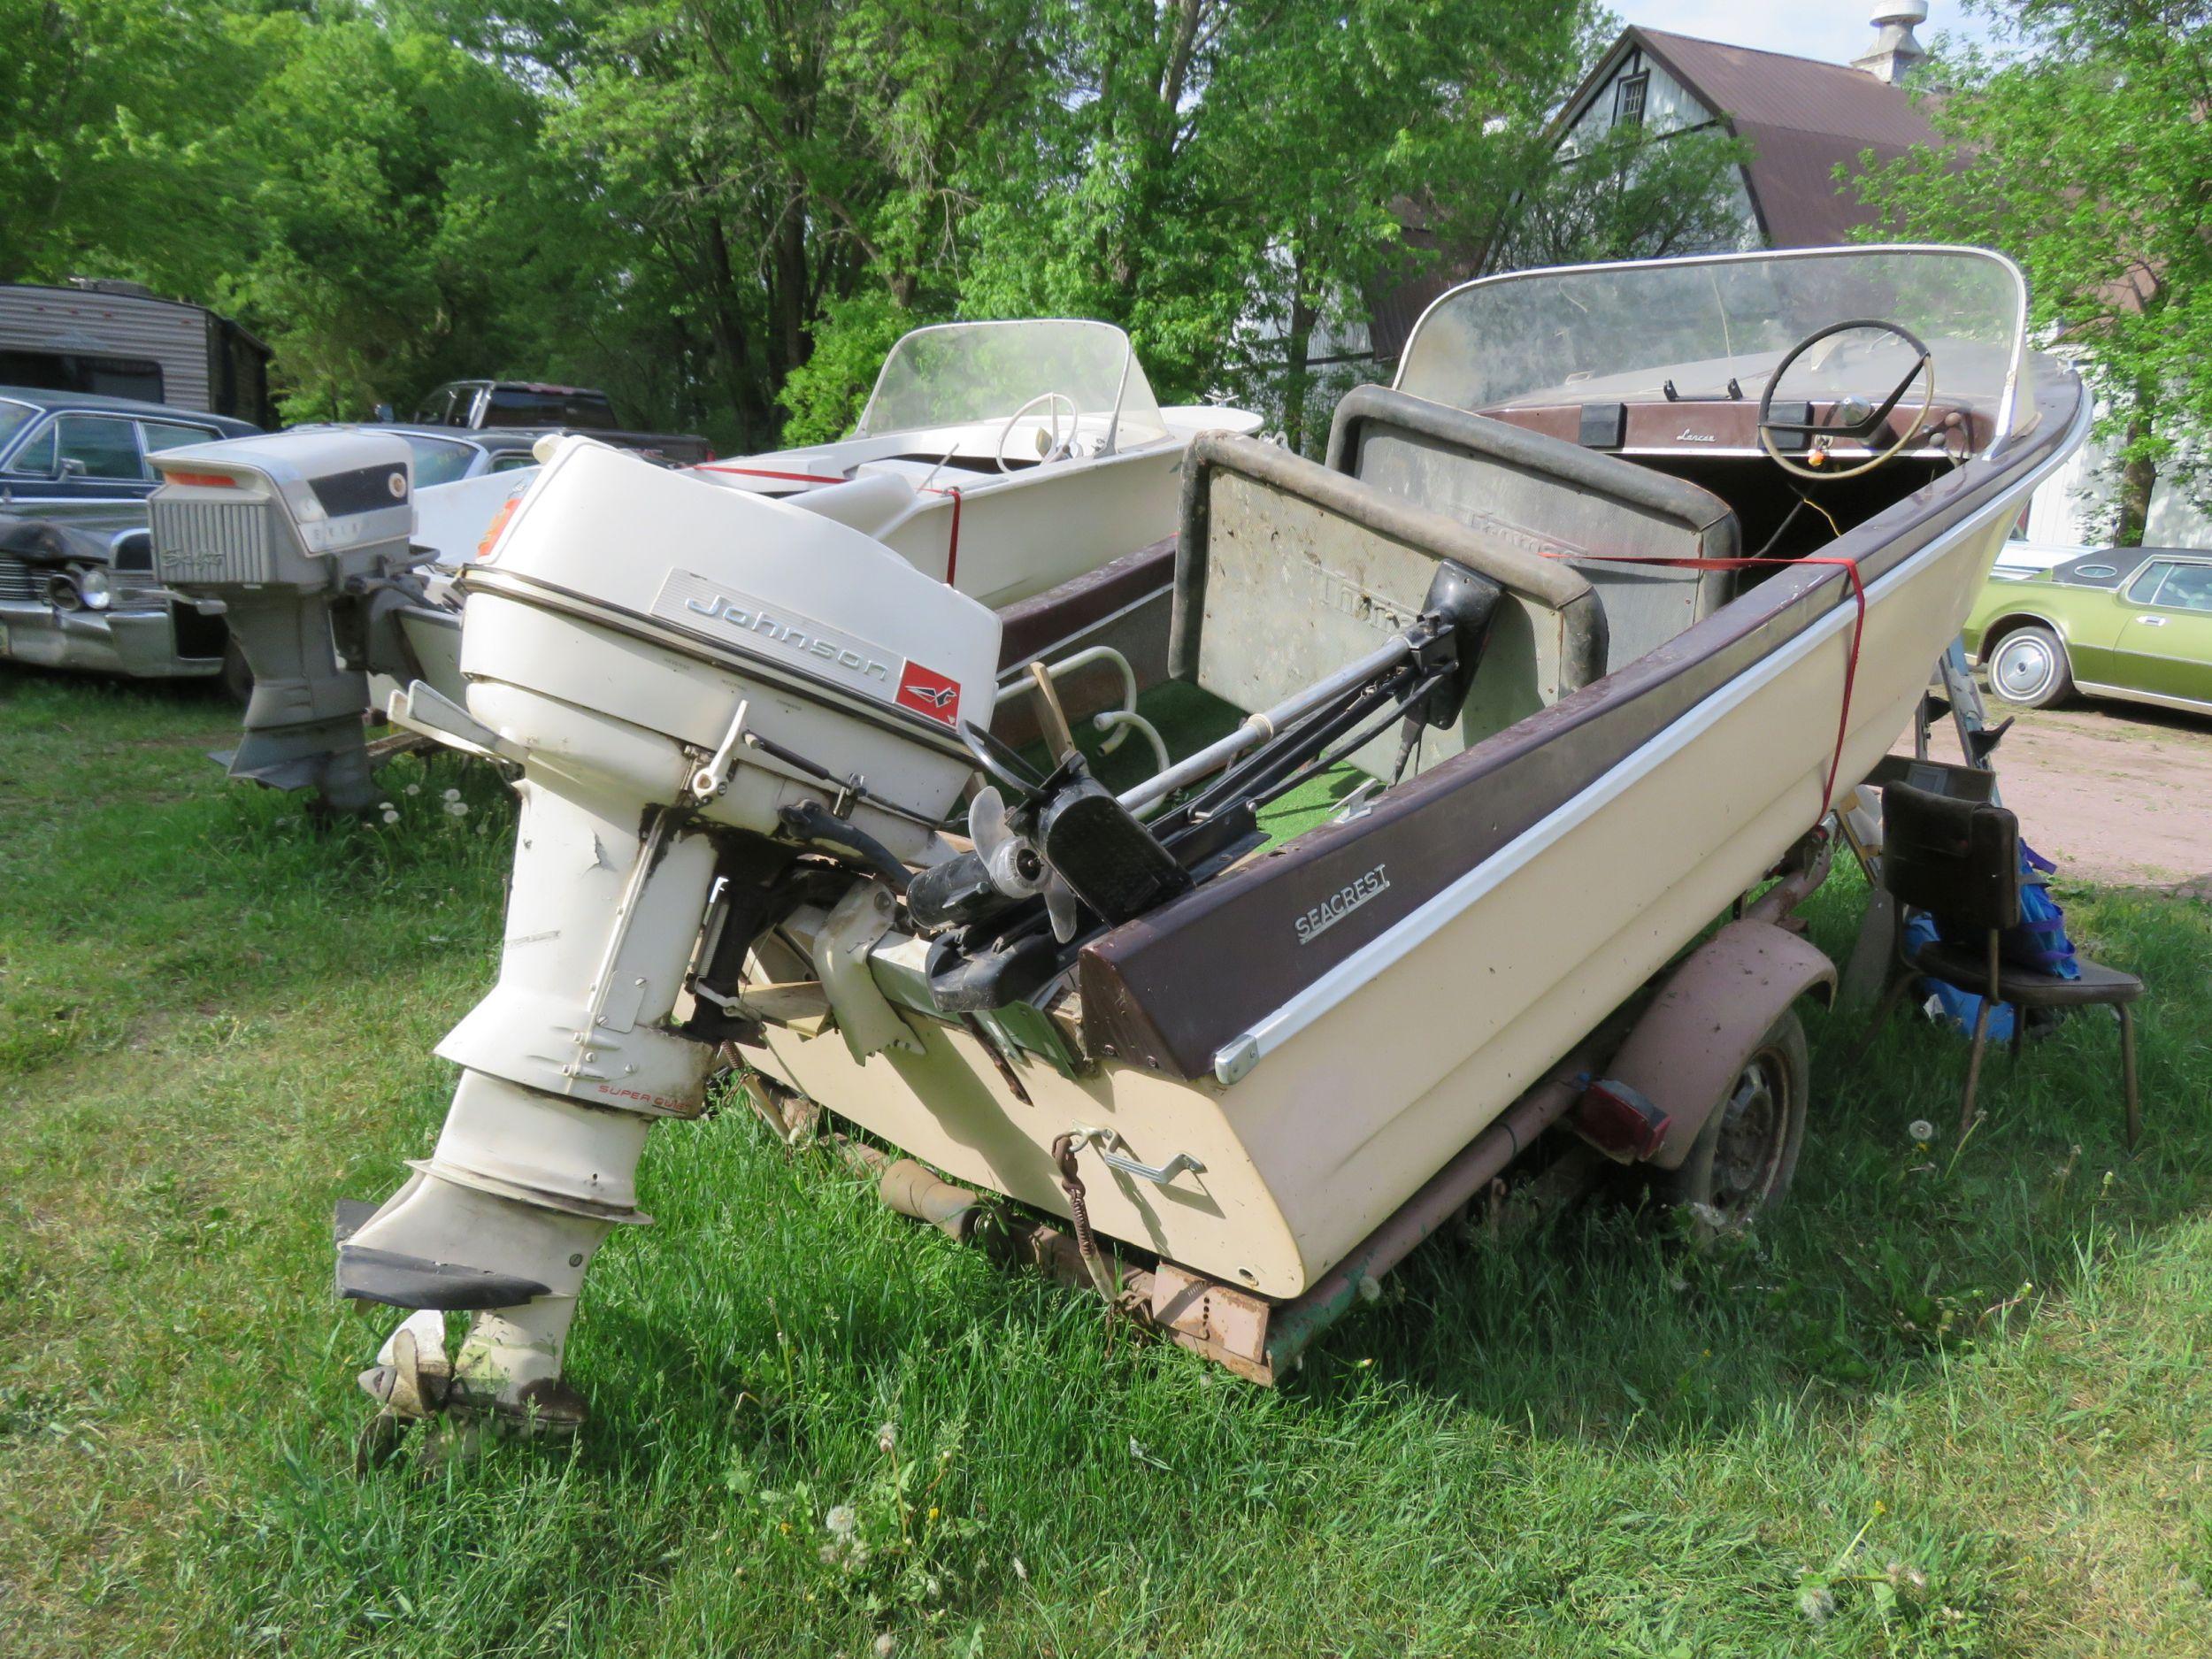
(1802, 119)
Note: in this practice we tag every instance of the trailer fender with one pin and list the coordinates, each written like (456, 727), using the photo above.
(1687, 1047)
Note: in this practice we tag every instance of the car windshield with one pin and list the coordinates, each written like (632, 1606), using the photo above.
(551, 406)
(961, 373)
(437, 460)
(1686, 328)
(13, 418)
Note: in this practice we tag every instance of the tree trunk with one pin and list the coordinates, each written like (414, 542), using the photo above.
(1297, 378)
(2139, 477)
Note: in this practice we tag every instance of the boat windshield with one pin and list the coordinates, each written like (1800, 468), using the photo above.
(961, 373)
(1686, 328)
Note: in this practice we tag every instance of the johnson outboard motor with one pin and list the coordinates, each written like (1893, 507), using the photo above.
(720, 707)
(300, 535)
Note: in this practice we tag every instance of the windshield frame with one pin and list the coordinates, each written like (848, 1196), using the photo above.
(860, 428)
(2016, 365)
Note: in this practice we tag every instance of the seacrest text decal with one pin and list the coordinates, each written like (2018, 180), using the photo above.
(1342, 903)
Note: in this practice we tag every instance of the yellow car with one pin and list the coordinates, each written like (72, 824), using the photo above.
(2133, 623)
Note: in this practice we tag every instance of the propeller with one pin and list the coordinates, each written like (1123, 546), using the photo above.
(1015, 867)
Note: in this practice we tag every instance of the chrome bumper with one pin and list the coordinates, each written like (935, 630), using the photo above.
(139, 642)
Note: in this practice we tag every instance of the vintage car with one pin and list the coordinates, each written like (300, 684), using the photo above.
(2130, 623)
(80, 459)
(77, 588)
(90, 601)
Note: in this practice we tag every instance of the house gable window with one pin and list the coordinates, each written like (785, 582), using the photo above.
(1628, 98)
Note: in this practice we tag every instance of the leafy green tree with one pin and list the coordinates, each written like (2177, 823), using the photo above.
(105, 106)
(377, 213)
(755, 167)
(2083, 149)
(1337, 127)
(1633, 194)
(1223, 179)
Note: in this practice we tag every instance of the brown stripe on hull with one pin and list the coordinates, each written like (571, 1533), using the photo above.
(1170, 989)
(1123, 604)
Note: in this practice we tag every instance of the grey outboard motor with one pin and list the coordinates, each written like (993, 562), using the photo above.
(298, 534)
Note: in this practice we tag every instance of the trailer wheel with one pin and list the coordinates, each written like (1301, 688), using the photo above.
(1741, 1162)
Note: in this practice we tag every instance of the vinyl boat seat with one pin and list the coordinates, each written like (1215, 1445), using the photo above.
(1558, 499)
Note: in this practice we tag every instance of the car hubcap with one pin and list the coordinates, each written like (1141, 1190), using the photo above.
(1754, 1125)
(2023, 668)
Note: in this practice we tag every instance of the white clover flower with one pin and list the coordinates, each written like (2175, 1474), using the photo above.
(1921, 1130)
(841, 1521)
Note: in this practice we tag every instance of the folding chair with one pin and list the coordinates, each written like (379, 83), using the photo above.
(1960, 862)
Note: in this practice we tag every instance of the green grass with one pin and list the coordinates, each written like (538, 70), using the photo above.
(1956, 1395)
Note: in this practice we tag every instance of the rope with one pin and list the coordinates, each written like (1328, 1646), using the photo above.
(762, 472)
(952, 548)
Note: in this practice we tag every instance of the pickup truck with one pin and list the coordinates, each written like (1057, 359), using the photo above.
(533, 406)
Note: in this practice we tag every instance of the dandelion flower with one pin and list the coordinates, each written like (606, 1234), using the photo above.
(1817, 1604)
(414, 788)
(390, 816)
(935, 1511)
(887, 1438)
(1921, 1130)
(457, 809)
(383, 806)
(453, 794)
(885, 1645)
(841, 1521)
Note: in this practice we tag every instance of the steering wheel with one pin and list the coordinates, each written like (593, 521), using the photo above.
(1052, 401)
(1003, 765)
(1863, 428)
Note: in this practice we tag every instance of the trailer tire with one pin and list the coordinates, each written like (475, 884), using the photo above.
(1741, 1164)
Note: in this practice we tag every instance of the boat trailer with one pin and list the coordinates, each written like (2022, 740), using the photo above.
(1639, 1090)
